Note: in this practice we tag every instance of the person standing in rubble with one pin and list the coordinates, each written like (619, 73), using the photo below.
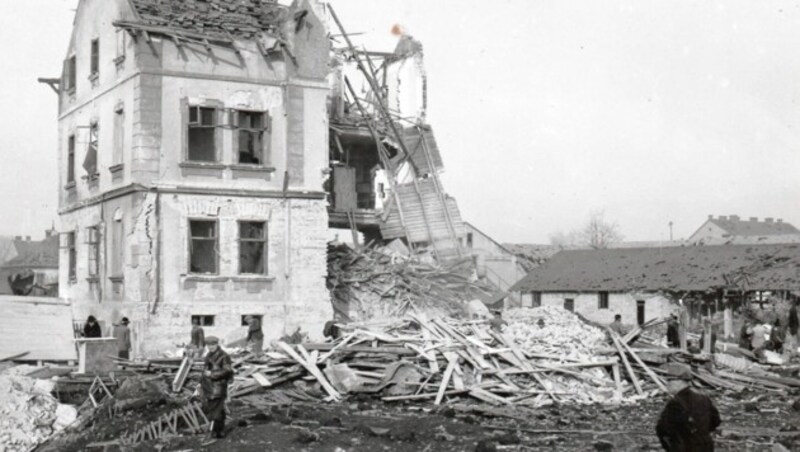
(497, 322)
(673, 336)
(616, 325)
(688, 419)
(122, 334)
(218, 373)
(792, 328)
(255, 336)
(92, 328)
(198, 338)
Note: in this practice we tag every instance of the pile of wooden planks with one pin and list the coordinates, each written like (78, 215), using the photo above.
(376, 283)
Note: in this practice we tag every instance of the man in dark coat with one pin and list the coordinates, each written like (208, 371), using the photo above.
(92, 328)
(255, 335)
(218, 373)
(673, 336)
(688, 419)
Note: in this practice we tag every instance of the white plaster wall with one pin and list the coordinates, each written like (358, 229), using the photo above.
(624, 304)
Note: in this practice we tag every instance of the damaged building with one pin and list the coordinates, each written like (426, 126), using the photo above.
(193, 147)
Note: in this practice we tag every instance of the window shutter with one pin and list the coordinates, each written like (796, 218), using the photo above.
(63, 240)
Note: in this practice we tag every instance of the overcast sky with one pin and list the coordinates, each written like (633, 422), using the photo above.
(653, 111)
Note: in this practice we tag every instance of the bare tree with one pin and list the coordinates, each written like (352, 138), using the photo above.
(597, 233)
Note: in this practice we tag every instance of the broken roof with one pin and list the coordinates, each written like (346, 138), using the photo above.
(35, 254)
(217, 17)
(694, 268)
(736, 227)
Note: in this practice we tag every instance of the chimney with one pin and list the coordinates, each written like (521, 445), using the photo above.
(779, 220)
(754, 219)
(734, 217)
(18, 238)
(48, 233)
(27, 238)
(711, 217)
(768, 220)
(723, 217)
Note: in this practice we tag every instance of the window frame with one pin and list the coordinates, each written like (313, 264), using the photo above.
(260, 318)
(571, 302)
(536, 299)
(118, 153)
(203, 318)
(190, 244)
(264, 132)
(116, 260)
(198, 124)
(70, 76)
(71, 159)
(94, 58)
(602, 300)
(93, 251)
(264, 243)
(72, 256)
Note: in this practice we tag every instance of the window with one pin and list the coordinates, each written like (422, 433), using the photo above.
(203, 246)
(244, 318)
(569, 304)
(93, 246)
(121, 41)
(252, 247)
(90, 162)
(250, 129)
(203, 320)
(69, 74)
(116, 255)
(73, 257)
(94, 70)
(536, 299)
(202, 134)
(119, 134)
(602, 300)
(469, 240)
(71, 159)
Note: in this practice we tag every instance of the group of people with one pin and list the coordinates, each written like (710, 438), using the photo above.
(779, 338)
(119, 331)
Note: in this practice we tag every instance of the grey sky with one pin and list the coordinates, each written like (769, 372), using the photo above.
(545, 110)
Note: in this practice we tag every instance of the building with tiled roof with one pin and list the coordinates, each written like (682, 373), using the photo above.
(34, 267)
(734, 230)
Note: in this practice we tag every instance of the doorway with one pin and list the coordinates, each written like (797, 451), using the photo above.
(640, 311)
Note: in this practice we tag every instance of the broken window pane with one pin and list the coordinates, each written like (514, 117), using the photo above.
(251, 127)
(252, 247)
(202, 134)
(203, 246)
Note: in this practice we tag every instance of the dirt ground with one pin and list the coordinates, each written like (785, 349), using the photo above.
(370, 425)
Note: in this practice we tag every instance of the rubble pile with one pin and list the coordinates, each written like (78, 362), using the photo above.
(375, 283)
(561, 332)
(29, 414)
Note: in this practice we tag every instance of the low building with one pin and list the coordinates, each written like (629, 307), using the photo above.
(494, 263)
(646, 283)
(33, 269)
(733, 230)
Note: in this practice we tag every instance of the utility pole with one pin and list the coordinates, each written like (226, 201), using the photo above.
(670, 231)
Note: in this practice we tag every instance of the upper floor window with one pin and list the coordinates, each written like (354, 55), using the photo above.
(93, 243)
(202, 134)
(119, 134)
(203, 246)
(72, 256)
(71, 159)
(253, 247)
(251, 129)
(90, 161)
(94, 65)
(69, 74)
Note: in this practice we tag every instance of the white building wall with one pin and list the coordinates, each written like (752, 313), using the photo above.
(625, 304)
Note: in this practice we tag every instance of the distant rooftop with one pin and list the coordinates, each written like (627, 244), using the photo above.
(735, 226)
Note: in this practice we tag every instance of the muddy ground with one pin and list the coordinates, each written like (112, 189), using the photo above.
(370, 425)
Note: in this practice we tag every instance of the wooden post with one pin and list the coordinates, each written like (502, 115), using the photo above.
(683, 323)
(727, 317)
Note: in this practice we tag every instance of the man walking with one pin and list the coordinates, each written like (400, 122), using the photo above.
(123, 336)
(218, 372)
(688, 418)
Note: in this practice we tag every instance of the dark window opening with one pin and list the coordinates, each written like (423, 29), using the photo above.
(203, 320)
(569, 304)
(244, 318)
(202, 134)
(69, 74)
(640, 311)
(602, 300)
(536, 299)
(250, 128)
(72, 257)
(469, 240)
(93, 242)
(203, 246)
(71, 159)
(95, 58)
(252, 247)
(90, 161)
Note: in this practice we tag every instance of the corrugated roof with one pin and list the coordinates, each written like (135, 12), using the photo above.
(40, 326)
(697, 268)
(217, 17)
(745, 227)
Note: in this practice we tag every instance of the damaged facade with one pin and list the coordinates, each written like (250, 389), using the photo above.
(193, 144)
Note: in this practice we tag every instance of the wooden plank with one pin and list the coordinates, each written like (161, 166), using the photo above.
(487, 396)
(617, 379)
(312, 369)
(451, 365)
(647, 370)
(261, 379)
(634, 378)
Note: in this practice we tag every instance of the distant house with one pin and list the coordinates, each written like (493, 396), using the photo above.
(733, 230)
(34, 268)
(645, 283)
(494, 262)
